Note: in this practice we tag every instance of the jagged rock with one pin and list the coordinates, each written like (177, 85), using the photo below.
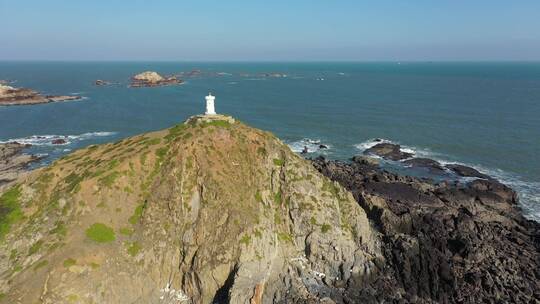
(444, 243)
(59, 141)
(388, 151)
(207, 211)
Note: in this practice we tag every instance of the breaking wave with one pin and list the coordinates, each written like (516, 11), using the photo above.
(528, 191)
(56, 140)
(312, 145)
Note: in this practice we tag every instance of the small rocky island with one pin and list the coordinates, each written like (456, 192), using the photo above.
(11, 96)
(153, 79)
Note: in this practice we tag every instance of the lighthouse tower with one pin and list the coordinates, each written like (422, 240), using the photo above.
(210, 110)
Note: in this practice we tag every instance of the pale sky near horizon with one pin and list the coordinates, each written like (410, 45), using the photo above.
(239, 30)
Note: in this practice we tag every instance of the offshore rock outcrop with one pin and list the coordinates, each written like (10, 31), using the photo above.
(449, 242)
(209, 211)
(10, 96)
(153, 79)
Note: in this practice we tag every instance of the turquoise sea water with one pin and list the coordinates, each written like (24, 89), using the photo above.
(482, 114)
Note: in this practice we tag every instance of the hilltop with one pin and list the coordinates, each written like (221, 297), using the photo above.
(209, 210)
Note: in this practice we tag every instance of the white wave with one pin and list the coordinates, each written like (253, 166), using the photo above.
(47, 140)
(312, 145)
(528, 191)
(370, 143)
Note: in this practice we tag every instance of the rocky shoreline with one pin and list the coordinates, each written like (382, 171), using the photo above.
(10, 96)
(443, 242)
(14, 162)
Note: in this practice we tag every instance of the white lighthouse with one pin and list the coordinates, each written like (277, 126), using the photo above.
(210, 110)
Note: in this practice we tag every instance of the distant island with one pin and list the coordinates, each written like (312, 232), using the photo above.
(153, 79)
(11, 96)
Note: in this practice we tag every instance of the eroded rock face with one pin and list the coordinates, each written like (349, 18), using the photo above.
(444, 243)
(207, 211)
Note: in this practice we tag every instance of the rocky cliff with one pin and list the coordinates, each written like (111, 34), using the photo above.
(456, 241)
(209, 211)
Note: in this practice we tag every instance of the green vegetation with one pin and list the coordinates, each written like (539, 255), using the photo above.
(325, 228)
(277, 198)
(35, 247)
(175, 131)
(94, 265)
(72, 298)
(261, 151)
(246, 239)
(113, 164)
(153, 141)
(17, 268)
(13, 254)
(137, 214)
(72, 182)
(100, 233)
(313, 221)
(69, 262)
(41, 264)
(277, 218)
(161, 152)
(216, 123)
(10, 210)
(258, 233)
(60, 229)
(108, 180)
(286, 237)
(126, 231)
(258, 197)
(133, 248)
(278, 162)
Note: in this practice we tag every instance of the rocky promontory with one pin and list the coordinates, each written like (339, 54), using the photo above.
(214, 211)
(153, 79)
(10, 96)
(445, 242)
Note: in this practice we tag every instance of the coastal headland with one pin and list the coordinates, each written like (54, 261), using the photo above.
(214, 211)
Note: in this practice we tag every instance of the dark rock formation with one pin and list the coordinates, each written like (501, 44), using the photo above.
(444, 243)
(466, 171)
(100, 82)
(58, 141)
(388, 151)
(431, 165)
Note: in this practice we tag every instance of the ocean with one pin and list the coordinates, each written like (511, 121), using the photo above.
(482, 114)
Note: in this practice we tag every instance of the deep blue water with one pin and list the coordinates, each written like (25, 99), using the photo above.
(482, 114)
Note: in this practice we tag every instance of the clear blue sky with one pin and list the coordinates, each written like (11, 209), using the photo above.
(270, 30)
